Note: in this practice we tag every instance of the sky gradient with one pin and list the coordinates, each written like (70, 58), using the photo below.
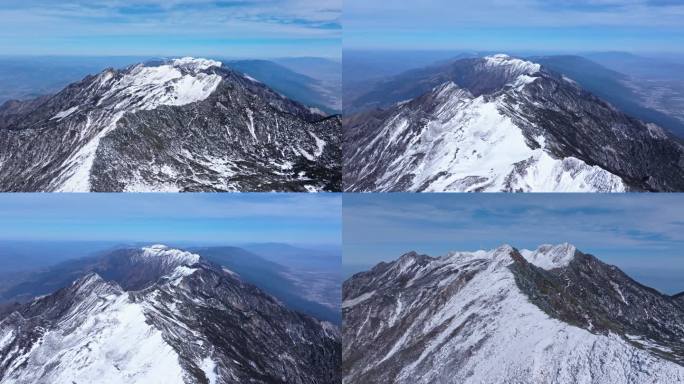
(235, 29)
(206, 219)
(553, 26)
(643, 234)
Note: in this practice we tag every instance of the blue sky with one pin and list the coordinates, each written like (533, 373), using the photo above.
(236, 29)
(638, 26)
(204, 219)
(643, 234)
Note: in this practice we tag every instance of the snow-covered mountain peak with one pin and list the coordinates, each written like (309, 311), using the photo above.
(499, 256)
(448, 140)
(503, 249)
(169, 255)
(406, 261)
(147, 87)
(549, 256)
(451, 90)
(93, 283)
(213, 329)
(196, 125)
(113, 94)
(546, 256)
(195, 64)
(514, 65)
(488, 316)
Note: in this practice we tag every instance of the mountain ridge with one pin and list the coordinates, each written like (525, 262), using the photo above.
(197, 125)
(464, 316)
(509, 126)
(173, 320)
(116, 264)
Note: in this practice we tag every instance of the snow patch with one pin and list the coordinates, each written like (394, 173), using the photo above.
(6, 339)
(208, 366)
(320, 144)
(550, 256)
(250, 124)
(180, 272)
(250, 78)
(65, 113)
(359, 299)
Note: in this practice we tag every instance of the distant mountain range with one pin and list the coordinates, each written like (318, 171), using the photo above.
(501, 123)
(620, 89)
(553, 314)
(318, 297)
(162, 314)
(178, 125)
(311, 81)
(648, 88)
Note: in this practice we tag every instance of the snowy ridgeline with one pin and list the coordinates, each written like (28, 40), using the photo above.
(196, 125)
(508, 126)
(165, 332)
(465, 317)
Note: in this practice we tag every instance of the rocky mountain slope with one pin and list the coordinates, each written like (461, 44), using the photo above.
(180, 125)
(503, 124)
(164, 316)
(551, 315)
(292, 285)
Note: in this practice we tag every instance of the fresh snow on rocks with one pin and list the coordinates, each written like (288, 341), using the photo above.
(504, 125)
(103, 338)
(462, 318)
(182, 325)
(142, 88)
(180, 125)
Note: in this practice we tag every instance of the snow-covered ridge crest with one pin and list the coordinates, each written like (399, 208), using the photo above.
(516, 65)
(546, 256)
(169, 255)
(465, 318)
(104, 337)
(178, 82)
(549, 256)
(498, 156)
(197, 64)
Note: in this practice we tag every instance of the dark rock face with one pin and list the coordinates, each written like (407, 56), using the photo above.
(576, 123)
(552, 315)
(253, 336)
(679, 299)
(549, 110)
(202, 312)
(175, 127)
(601, 298)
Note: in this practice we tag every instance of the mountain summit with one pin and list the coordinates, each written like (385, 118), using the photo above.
(502, 124)
(178, 125)
(553, 314)
(162, 315)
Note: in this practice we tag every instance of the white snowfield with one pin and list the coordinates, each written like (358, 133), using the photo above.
(514, 67)
(168, 256)
(489, 332)
(106, 337)
(179, 82)
(469, 145)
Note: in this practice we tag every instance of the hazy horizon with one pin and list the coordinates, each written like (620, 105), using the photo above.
(641, 234)
(174, 218)
(250, 28)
